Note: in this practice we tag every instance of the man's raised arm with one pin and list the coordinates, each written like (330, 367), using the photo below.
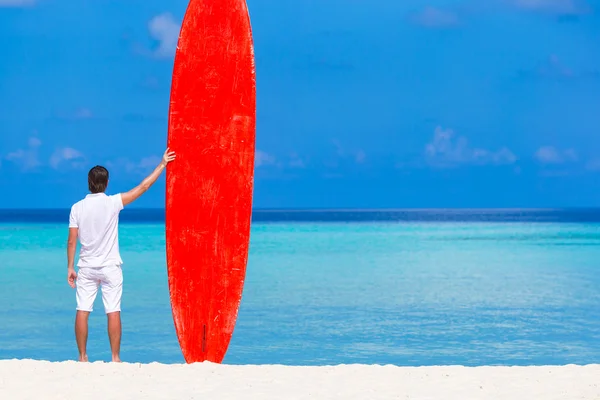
(136, 192)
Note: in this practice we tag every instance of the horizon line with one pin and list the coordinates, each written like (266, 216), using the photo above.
(348, 209)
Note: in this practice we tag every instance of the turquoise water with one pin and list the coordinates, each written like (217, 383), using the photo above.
(408, 293)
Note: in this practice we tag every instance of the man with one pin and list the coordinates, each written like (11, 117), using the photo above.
(95, 221)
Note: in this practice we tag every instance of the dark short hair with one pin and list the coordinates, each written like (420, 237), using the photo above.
(98, 179)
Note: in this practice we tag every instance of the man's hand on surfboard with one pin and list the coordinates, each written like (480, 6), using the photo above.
(168, 157)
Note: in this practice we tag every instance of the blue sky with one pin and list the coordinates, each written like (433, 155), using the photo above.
(360, 104)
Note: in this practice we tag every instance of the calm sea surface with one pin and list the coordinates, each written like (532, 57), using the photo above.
(427, 287)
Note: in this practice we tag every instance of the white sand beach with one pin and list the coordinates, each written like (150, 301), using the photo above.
(70, 380)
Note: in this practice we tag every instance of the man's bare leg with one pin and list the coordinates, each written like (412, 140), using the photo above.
(81, 333)
(114, 334)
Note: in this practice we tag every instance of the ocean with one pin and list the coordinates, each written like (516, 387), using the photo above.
(403, 287)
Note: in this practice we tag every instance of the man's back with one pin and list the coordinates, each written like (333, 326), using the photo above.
(94, 223)
(97, 217)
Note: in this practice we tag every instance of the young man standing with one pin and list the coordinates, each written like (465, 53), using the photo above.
(95, 221)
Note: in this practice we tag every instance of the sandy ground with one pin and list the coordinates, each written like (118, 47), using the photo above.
(70, 380)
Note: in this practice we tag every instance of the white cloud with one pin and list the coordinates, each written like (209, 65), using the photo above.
(554, 67)
(165, 30)
(16, 3)
(148, 163)
(83, 113)
(78, 114)
(552, 155)
(593, 165)
(338, 147)
(296, 161)
(16, 155)
(261, 159)
(360, 157)
(445, 151)
(141, 167)
(27, 159)
(67, 156)
(34, 142)
(432, 17)
(548, 155)
(558, 7)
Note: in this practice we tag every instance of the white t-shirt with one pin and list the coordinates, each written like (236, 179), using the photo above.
(97, 217)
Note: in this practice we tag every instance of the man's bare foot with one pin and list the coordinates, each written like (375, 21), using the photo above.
(83, 358)
(116, 359)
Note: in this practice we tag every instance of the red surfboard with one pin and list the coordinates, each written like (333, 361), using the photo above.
(212, 120)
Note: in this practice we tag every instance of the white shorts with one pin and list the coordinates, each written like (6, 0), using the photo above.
(88, 281)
